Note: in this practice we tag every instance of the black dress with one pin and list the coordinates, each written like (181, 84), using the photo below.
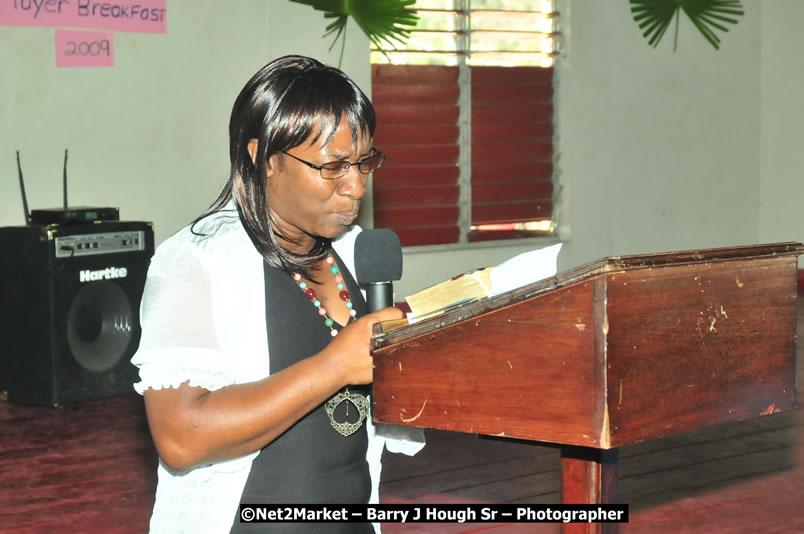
(310, 463)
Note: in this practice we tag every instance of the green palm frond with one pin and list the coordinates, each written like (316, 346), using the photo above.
(385, 22)
(655, 16)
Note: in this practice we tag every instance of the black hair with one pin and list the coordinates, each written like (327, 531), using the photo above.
(290, 101)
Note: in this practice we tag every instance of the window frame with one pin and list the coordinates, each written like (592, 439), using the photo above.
(468, 235)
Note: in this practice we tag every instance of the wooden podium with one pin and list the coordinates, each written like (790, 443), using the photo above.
(617, 351)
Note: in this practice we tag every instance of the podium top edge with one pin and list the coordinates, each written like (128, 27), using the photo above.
(605, 266)
(703, 255)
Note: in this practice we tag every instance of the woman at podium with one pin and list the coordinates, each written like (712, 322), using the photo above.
(254, 357)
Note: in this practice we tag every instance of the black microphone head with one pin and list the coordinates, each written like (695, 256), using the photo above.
(378, 256)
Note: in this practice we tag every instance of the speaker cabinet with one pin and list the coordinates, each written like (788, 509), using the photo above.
(69, 309)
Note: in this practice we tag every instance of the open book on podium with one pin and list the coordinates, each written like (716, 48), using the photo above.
(613, 352)
(477, 284)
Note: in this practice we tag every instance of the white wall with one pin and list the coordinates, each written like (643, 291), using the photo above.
(781, 187)
(659, 150)
(150, 134)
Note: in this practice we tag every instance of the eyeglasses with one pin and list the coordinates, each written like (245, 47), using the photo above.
(335, 169)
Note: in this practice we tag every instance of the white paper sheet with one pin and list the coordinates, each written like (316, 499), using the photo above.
(525, 269)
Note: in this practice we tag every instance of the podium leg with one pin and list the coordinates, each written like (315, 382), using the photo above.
(588, 476)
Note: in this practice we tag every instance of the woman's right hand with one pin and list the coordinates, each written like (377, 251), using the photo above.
(351, 347)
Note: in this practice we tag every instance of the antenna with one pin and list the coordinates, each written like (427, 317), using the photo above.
(65, 178)
(22, 190)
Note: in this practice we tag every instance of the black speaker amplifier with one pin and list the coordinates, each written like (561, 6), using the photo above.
(69, 309)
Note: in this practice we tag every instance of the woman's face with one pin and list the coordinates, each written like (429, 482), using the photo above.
(303, 204)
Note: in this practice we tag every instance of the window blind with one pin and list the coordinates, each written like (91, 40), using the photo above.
(465, 115)
(416, 191)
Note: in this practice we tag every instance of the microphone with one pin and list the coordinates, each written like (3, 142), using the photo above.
(378, 263)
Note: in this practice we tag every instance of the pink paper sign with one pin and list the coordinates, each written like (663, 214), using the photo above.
(84, 49)
(142, 16)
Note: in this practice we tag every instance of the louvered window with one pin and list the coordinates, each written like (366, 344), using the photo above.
(465, 113)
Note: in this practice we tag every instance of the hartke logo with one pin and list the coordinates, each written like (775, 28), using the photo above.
(110, 273)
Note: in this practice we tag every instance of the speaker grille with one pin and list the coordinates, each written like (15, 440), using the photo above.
(100, 326)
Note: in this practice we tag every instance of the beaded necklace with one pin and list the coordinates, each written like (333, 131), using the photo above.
(360, 402)
(344, 294)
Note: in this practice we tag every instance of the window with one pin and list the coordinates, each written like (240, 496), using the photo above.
(465, 114)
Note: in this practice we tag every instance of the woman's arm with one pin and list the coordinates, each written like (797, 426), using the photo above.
(192, 426)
